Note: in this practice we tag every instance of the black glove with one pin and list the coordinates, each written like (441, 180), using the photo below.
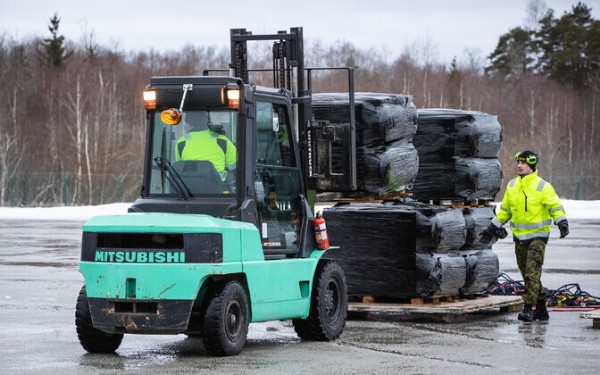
(492, 231)
(486, 236)
(564, 228)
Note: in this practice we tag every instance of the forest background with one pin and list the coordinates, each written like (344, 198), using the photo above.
(72, 123)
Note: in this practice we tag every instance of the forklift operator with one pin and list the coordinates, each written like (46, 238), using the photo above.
(203, 141)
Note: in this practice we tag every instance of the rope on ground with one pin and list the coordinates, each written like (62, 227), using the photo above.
(570, 295)
(566, 295)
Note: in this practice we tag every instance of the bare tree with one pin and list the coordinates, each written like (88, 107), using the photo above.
(536, 9)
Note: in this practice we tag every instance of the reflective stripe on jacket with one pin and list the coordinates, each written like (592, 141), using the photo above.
(531, 204)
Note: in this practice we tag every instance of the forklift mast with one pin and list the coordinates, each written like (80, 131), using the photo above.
(288, 74)
(328, 150)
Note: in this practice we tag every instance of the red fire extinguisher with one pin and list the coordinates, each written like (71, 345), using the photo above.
(321, 232)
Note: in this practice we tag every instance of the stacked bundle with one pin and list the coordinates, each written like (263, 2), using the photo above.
(386, 160)
(412, 249)
(458, 153)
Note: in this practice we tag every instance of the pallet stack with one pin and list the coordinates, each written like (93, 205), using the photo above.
(411, 249)
(458, 155)
(416, 247)
(387, 161)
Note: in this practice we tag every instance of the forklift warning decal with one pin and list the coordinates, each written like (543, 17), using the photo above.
(140, 256)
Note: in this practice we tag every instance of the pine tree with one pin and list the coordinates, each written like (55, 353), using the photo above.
(514, 54)
(55, 51)
(569, 46)
(454, 84)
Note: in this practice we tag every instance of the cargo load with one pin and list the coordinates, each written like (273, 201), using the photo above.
(458, 153)
(411, 249)
(386, 159)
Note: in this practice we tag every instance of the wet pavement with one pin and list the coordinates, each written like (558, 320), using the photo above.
(39, 284)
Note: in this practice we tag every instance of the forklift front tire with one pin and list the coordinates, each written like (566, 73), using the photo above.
(328, 305)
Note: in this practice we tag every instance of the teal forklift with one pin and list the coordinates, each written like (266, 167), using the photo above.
(210, 247)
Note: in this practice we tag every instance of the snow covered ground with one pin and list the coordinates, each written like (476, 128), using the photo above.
(574, 209)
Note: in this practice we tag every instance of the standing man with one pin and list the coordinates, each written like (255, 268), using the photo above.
(531, 204)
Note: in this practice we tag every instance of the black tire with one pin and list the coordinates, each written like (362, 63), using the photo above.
(93, 340)
(226, 319)
(328, 305)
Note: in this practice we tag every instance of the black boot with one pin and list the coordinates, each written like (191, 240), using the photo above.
(526, 315)
(541, 312)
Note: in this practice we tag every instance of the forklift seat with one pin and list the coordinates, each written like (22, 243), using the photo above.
(200, 176)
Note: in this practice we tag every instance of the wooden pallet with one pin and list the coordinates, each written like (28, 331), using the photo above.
(445, 309)
(463, 204)
(594, 315)
(361, 197)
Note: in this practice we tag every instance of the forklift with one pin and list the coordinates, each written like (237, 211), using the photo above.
(210, 247)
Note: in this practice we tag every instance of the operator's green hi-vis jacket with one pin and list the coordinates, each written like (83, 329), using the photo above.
(530, 203)
(208, 145)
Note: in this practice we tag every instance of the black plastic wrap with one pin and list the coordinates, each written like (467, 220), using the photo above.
(482, 270)
(380, 118)
(387, 168)
(439, 229)
(376, 248)
(443, 273)
(444, 133)
(406, 250)
(460, 178)
(477, 178)
(477, 219)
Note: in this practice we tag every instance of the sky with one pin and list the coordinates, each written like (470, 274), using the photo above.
(443, 28)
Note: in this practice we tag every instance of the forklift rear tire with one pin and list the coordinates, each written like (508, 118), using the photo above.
(93, 340)
(328, 305)
(226, 319)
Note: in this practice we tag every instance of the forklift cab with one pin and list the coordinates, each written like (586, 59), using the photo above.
(234, 160)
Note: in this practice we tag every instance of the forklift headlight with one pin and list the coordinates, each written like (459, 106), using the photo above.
(232, 97)
(150, 99)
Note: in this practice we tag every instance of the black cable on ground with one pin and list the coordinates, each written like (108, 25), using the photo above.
(566, 295)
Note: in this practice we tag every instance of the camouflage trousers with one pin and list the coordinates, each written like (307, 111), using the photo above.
(530, 258)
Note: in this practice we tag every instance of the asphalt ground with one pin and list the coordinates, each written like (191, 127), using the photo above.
(39, 284)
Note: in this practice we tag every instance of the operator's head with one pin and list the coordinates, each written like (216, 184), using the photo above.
(195, 120)
(526, 162)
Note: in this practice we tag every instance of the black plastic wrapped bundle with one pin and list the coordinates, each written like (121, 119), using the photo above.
(444, 274)
(434, 181)
(443, 133)
(405, 250)
(387, 168)
(379, 251)
(477, 178)
(377, 245)
(380, 118)
(433, 144)
(461, 178)
(439, 229)
(482, 270)
(477, 219)
(482, 139)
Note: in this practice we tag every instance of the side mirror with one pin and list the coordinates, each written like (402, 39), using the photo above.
(171, 116)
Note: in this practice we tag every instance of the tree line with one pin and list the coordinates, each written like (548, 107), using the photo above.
(72, 123)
